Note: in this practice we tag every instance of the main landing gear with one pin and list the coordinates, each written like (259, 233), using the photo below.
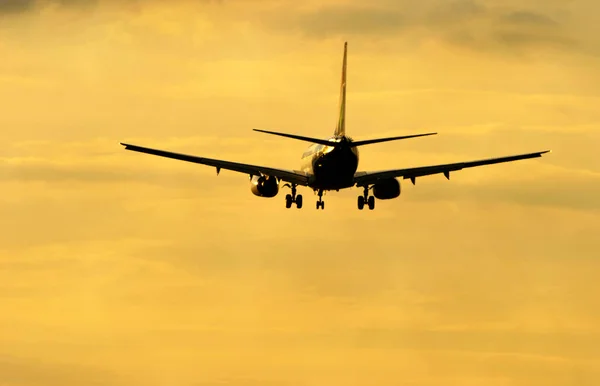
(365, 198)
(321, 203)
(293, 198)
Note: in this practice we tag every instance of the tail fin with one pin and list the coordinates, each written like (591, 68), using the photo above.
(340, 129)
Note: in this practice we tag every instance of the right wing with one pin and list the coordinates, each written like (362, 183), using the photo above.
(293, 176)
(368, 178)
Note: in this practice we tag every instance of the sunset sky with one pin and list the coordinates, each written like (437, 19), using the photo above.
(125, 269)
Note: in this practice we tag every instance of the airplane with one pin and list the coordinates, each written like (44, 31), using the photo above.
(331, 164)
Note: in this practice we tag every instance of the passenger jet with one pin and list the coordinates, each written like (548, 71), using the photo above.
(331, 164)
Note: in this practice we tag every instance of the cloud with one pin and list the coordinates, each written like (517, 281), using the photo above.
(566, 189)
(16, 6)
(30, 371)
(527, 40)
(528, 18)
(474, 25)
(550, 346)
(21, 6)
(355, 20)
(56, 172)
(463, 23)
(451, 12)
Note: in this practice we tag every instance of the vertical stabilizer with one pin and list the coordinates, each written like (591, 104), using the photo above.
(340, 129)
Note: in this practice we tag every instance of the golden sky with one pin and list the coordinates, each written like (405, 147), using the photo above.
(119, 268)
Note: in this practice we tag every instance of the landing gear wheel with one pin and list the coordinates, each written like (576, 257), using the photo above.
(366, 199)
(299, 201)
(293, 198)
(361, 202)
(371, 202)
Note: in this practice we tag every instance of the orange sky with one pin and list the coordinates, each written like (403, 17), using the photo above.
(118, 268)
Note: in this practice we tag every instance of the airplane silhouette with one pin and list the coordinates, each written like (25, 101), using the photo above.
(331, 164)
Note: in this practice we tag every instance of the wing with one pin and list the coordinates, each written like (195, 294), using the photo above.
(367, 178)
(293, 176)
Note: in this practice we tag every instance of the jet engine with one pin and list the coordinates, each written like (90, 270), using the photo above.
(264, 186)
(386, 189)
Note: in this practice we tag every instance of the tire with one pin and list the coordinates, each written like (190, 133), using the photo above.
(361, 202)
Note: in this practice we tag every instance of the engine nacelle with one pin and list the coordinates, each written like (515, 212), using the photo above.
(264, 186)
(386, 189)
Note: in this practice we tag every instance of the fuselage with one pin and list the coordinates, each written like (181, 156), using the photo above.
(332, 167)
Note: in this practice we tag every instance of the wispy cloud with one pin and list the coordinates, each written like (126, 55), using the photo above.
(528, 18)
(21, 6)
(32, 371)
(463, 23)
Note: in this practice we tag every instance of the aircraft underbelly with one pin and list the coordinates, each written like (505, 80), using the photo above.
(335, 170)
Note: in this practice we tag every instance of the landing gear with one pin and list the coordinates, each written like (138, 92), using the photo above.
(321, 203)
(366, 199)
(293, 198)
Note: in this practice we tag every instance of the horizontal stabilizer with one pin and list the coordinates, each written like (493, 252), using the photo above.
(299, 137)
(377, 140)
(331, 143)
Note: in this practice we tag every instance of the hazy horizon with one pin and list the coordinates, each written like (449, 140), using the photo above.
(119, 268)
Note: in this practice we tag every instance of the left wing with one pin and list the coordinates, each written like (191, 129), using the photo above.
(367, 178)
(293, 176)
